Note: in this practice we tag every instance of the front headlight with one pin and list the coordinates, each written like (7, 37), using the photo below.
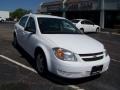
(64, 54)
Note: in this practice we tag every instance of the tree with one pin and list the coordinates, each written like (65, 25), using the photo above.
(18, 13)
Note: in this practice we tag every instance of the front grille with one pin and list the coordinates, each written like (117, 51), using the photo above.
(92, 56)
(93, 59)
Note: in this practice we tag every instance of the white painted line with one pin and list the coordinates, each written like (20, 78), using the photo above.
(109, 33)
(19, 64)
(105, 32)
(73, 87)
(115, 60)
(115, 33)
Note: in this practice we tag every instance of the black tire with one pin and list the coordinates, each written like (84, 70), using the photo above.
(41, 64)
(82, 30)
(15, 42)
(97, 30)
(2, 20)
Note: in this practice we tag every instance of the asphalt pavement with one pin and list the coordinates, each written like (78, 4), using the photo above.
(17, 69)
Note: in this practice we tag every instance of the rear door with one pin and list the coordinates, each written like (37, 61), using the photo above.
(90, 26)
(85, 26)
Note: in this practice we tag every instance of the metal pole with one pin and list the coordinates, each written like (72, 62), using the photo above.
(102, 16)
(41, 5)
(40, 8)
(64, 8)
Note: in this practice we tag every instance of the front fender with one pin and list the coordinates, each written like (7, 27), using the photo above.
(46, 51)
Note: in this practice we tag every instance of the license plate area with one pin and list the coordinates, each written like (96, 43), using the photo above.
(96, 70)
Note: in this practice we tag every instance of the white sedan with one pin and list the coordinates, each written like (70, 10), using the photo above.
(59, 47)
(2, 19)
(86, 25)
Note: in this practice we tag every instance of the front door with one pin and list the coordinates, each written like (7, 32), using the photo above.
(29, 36)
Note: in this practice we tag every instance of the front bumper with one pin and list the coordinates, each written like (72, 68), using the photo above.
(69, 69)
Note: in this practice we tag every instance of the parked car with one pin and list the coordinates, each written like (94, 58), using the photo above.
(9, 19)
(2, 19)
(86, 25)
(59, 47)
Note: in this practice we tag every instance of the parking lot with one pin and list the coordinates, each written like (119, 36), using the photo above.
(17, 69)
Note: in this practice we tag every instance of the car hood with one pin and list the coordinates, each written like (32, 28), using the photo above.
(77, 43)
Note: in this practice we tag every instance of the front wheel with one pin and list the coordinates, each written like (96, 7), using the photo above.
(41, 64)
(2, 20)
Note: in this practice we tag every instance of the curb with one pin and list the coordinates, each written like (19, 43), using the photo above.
(73, 87)
(110, 33)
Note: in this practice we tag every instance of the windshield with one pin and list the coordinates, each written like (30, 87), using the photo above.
(56, 26)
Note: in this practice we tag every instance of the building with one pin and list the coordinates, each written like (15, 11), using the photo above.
(88, 9)
(4, 14)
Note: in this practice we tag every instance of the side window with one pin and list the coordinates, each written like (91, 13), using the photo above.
(88, 23)
(23, 21)
(75, 21)
(31, 24)
(91, 23)
(82, 22)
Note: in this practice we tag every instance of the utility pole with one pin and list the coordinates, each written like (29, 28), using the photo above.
(41, 5)
(39, 8)
(64, 7)
(102, 15)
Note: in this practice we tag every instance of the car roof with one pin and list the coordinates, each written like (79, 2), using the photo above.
(80, 19)
(44, 16)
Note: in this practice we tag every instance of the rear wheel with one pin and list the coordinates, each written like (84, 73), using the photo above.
(15, 42)
(41, 64)
(82, 30)
(97, 30)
